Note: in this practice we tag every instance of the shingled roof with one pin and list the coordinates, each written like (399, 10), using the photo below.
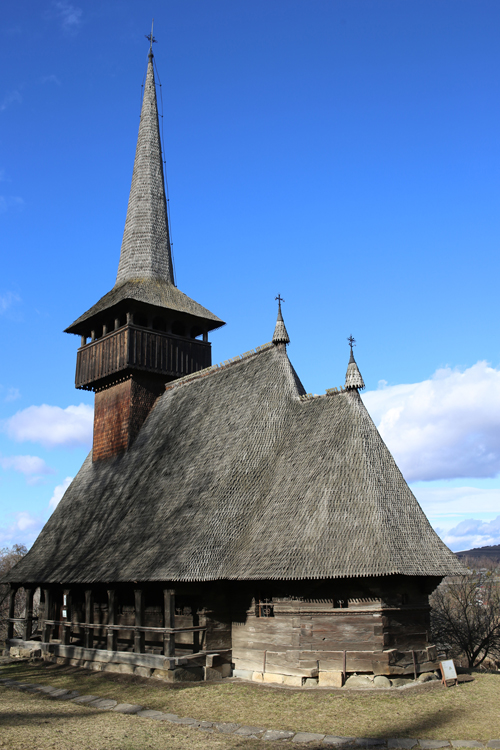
(145, 271)
(237, 474)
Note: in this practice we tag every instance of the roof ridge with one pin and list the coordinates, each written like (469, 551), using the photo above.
(218, 367)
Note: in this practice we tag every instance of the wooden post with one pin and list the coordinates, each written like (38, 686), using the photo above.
(12, 610)
(169, 621)
(66, 629)
(88, 641)
(112, 635)
(28, 612)
(196, 633)
(139, 621)
(47, 611)
(344, 666)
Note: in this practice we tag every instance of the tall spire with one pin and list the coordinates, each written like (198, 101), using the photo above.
(353, 379)
(280, 335)
(146, 252)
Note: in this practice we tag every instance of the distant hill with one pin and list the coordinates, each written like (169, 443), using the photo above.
(491, 553)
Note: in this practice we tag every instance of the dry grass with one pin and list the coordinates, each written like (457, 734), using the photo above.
(469, 711)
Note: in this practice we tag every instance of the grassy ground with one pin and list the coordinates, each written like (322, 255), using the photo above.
(469, 711)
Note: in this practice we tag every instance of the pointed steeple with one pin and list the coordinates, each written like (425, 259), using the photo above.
(145, 252)
(280, 335)
(353, 379)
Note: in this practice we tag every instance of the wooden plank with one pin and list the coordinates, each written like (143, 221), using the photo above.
(169, 621)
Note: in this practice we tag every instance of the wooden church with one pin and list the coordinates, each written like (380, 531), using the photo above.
(225, 522)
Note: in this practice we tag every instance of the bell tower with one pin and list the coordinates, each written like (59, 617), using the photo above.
(145, 331)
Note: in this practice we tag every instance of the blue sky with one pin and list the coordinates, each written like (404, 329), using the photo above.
(343, 154)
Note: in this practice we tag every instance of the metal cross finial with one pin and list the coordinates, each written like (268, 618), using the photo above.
(352, 341)
(280, 300)
(151, 38)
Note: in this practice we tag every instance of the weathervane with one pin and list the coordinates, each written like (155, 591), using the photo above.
(151, 38)
(352, 342)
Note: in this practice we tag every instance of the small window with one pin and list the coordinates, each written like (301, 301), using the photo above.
(265, 607)
(340, 603)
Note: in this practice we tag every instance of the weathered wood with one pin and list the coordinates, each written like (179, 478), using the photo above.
(28, 612)
(88, 638)
(139, 621)
(12, 608)
(169, 621)
(132, 347)
(47, 612)
(111, 633)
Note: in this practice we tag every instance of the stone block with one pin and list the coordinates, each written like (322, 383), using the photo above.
(118, 668)
(127, 708)
(211, 674)
(103, 704)
(277, 734)
(257, 677)
(14, 651)
(250, 731)
(226, 727)
(381, 682)
(307, 737)
(331, 739)
(243, 674)
(85, 699)
(405, 743)
(292, 680)
(274, 678)
(369, 742)
(148, 713)
(466, 743)
(330, 679)
(142, 671)
(70, 695)
(495, 744)
(433, 744)
(310, 682)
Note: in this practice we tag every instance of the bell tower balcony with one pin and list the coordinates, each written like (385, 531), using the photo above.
(131, 348)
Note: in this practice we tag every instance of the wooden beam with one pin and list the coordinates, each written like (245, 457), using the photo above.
(111, 634)
(169, 621)
(12, 610)
(47, 612)
(139, 621)
(28, 612)
(66, 630)
(89, 619)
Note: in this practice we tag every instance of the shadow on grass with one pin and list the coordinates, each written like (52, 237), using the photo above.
(21, 718)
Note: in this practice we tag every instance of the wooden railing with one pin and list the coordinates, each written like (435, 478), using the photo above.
(134, 348)
(89, 630)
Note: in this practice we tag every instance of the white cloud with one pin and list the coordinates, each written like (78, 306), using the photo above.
(10, 201)
(51, 79)
(13, 97)
(450, 502)
(59, 492)
(52, 426)
(24, 530)
(27, 465)
(69, 15)
(472, 533)
(442, 428)
(9, 298)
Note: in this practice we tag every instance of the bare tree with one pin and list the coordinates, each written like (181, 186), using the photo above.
(8, 558)
(465, 616)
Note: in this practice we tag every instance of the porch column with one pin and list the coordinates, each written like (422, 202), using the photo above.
(139, 621)
(196, 622)
(111, 634)
(169, 621)
(47, 612)
(12, 610)
(66, 628)
(88, 640)
(28, 613)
